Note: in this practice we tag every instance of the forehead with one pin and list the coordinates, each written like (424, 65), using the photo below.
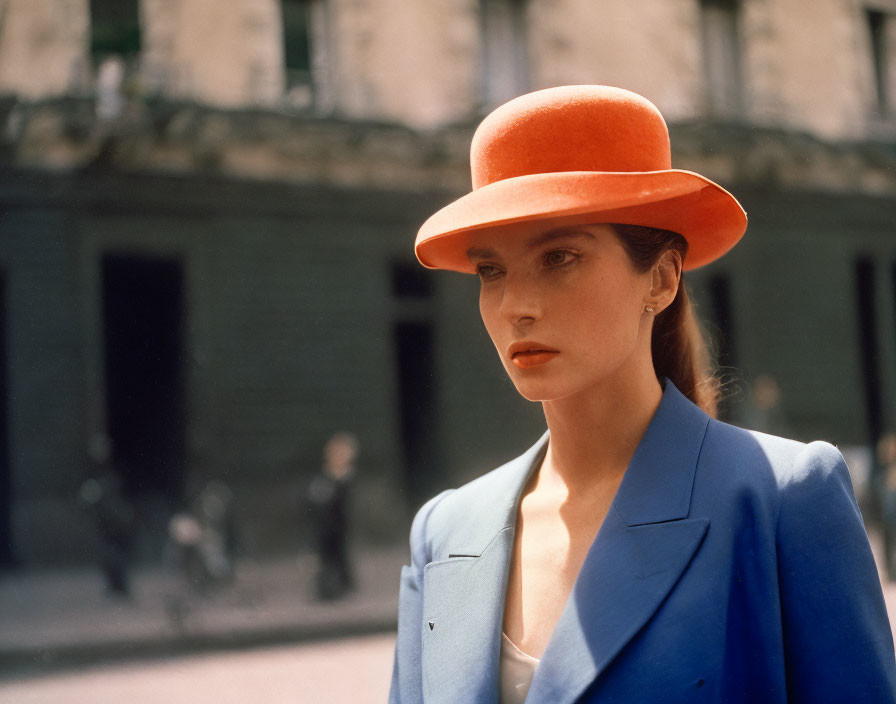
(517, 239)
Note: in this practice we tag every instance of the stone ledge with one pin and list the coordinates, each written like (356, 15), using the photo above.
(262, 145)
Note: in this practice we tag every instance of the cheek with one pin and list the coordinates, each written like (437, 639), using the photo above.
(488, 311)
(607, 316)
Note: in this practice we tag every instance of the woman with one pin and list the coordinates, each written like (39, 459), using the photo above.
(640, 551)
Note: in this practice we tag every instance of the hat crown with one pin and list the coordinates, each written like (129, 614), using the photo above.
(570, 128)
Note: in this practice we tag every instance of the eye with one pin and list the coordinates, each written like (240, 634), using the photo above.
(487, 272)
(559, 257)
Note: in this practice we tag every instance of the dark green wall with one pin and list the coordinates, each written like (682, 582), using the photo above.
(795, 312)
(290, 315)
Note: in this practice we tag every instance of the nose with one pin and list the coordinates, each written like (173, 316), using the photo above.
(520, 303)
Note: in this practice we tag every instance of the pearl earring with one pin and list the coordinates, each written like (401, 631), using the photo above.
(648, 309)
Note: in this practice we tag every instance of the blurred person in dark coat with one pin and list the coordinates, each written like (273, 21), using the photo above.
(114, 515)
(328, 497)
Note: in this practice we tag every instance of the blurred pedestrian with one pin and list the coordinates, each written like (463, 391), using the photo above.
(214, 510)
(763, 410)
(183, 549)
(328, 497)
(886, 458)
(201, 539)
(114, 516)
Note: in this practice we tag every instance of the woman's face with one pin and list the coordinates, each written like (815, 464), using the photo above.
(564, 307)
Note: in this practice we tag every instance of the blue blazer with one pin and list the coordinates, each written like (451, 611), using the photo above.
(732, 567)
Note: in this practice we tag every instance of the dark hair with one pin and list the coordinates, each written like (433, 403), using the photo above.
(678, 346)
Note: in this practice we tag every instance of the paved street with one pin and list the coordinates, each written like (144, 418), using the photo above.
(336, 672)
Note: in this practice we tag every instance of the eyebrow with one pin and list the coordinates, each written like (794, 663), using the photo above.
(549, 236)
(557, 234)
(480, 253)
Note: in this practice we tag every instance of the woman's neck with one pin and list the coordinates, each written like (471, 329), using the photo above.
(594, 434)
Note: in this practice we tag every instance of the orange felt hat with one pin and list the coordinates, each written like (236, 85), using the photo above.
(576, 155)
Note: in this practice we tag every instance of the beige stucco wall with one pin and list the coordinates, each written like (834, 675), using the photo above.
(43, 50)
(413, 62)
(805, 66)
(421, 63)
(648, 46)
(219, 52)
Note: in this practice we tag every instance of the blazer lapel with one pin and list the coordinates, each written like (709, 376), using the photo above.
(463, 595)
(641, 550)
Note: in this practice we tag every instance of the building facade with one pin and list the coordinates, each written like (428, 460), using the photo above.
(207, 209)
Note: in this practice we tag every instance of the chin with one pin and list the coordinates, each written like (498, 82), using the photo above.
(558, 384)
(540, 390)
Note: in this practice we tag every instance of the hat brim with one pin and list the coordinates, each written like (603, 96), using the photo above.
(704, 213)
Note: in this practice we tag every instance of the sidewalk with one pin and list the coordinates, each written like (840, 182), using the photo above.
(61, 618)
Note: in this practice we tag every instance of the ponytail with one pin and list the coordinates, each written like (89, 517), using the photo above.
(678, 346)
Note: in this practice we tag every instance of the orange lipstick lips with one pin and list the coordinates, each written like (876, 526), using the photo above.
(528, 355)
(525, 360)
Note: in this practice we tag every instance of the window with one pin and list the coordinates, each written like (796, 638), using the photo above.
(114, 28)
(882, 29)
(719, 24)
(296, 44)
(505, 61)
(305, 53)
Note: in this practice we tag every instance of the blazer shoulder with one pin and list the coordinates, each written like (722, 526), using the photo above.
(781, 461)
(778, 449)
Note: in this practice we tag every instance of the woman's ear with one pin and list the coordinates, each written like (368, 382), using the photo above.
(665, 276)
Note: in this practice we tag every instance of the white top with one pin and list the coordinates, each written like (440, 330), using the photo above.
(516, 672)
